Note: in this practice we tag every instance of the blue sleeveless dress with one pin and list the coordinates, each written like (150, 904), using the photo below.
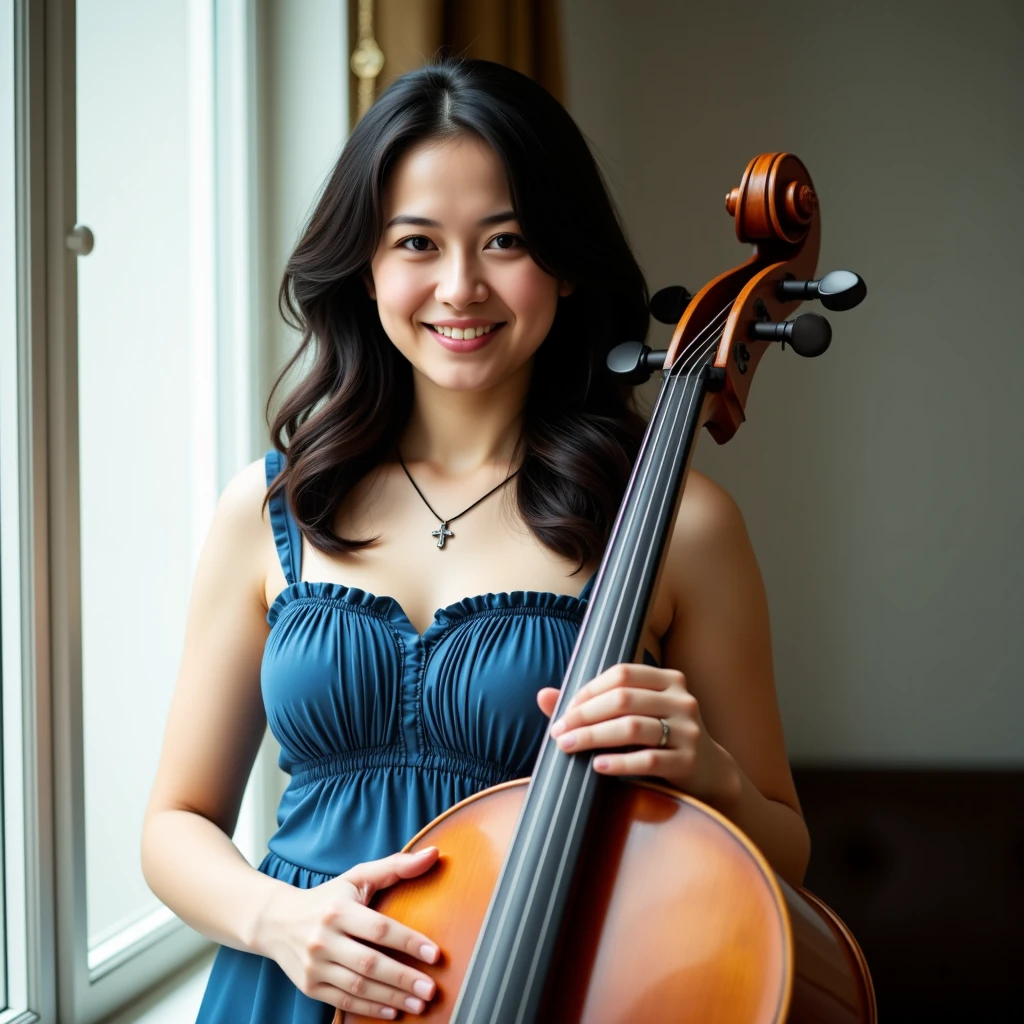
(381, 730)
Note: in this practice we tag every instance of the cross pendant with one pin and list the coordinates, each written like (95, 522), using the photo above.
(440, 533)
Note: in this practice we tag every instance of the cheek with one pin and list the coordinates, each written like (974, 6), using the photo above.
(400, 290)
(532, 295)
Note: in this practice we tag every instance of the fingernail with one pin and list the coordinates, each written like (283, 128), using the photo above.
(567, 742)
(428, 952)
(601, 763)
(558, 728)
(416, 1005)
(424, 988)
(386, 1011)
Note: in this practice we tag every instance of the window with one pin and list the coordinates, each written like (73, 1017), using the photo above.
(128, 396)
(146, 418)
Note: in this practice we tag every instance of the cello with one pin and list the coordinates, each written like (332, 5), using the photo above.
(572, 897)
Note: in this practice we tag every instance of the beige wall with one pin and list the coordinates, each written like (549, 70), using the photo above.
(882, 483)
(303, 123)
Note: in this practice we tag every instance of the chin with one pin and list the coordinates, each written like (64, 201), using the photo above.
(463, 378)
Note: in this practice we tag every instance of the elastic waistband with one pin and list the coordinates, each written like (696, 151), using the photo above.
(351, 762)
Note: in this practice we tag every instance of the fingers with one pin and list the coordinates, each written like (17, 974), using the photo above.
(547, 698)
(379, 874)
(645, 677)
(363, 923)
(342, 999)
(617, 680)
(622, 701)
(623, 731)
(370, 977)
(649, 761)
(360, 979)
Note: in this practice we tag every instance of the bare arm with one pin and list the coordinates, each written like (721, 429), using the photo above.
(214, 729)
(720, 639)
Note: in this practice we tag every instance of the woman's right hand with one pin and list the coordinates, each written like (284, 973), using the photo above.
(317, 936)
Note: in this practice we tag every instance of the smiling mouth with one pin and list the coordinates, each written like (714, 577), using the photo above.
(464, 333)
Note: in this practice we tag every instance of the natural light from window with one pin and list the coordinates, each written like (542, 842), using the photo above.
(145, 393)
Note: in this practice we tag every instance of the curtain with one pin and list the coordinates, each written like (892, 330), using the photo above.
(522, 34)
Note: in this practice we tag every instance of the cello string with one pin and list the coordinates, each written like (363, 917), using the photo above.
(543, 783)
(695, 349)
(698, 352)
(588, 781)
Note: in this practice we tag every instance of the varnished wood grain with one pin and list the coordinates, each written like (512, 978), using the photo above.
(676, 917)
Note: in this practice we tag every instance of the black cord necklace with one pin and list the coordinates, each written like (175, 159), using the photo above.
(442, 532)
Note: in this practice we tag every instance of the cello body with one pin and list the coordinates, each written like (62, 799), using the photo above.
(575, 899)
(676, 919)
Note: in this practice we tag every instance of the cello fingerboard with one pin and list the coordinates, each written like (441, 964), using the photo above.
(508, 971)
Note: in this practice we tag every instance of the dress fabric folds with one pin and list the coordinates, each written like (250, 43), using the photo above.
(381, 730)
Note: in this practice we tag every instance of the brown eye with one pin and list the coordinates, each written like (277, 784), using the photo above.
(420, 243)
(506, 242)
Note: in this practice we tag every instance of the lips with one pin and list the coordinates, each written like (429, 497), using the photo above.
(464, 344)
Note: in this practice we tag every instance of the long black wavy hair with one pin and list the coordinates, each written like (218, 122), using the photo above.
(580, 433)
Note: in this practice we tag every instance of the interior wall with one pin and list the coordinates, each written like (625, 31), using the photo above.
(303, 125)
(882, 482)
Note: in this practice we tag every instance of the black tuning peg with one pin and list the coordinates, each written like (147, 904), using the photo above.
(842, 289)
(667, 304)
(635, 361)
(808, 334)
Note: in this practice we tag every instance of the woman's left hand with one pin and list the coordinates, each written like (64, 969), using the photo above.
(625, 706)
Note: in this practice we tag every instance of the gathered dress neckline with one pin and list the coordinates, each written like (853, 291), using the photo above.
(390, 608)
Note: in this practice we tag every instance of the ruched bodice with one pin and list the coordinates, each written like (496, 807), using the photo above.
(382, 729)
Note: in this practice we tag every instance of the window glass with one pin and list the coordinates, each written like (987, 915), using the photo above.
(145, 397)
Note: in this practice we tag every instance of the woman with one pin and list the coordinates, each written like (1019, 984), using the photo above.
(458, 286)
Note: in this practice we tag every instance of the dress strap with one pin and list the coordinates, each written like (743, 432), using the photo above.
(287, 537)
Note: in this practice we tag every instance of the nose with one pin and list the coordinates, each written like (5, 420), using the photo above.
(461, 282)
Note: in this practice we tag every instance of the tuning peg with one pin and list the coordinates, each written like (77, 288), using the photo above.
(635, 361)
(842, 289)
(808, 334)
(667, 304)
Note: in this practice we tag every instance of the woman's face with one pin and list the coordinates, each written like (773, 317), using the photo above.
(457, 291)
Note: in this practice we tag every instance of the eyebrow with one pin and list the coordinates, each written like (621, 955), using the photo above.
(425, 222)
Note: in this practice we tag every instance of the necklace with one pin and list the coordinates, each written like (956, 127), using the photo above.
(442, 532)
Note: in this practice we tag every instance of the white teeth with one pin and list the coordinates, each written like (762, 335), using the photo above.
(460, 333)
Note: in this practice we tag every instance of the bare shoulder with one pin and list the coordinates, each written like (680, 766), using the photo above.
(241, 526)
(705, 502)
(709, 535)
(242, 499)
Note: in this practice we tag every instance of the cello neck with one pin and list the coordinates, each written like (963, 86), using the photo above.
(508, 971)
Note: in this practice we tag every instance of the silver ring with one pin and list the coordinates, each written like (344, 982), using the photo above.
(664, 733)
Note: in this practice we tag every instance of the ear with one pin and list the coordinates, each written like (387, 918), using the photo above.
(565, 288)
(370, 290)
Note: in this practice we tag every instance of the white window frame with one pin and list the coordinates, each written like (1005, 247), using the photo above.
(50, 968)
(28, 809)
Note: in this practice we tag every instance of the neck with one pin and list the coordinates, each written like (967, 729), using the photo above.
(460, 432)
